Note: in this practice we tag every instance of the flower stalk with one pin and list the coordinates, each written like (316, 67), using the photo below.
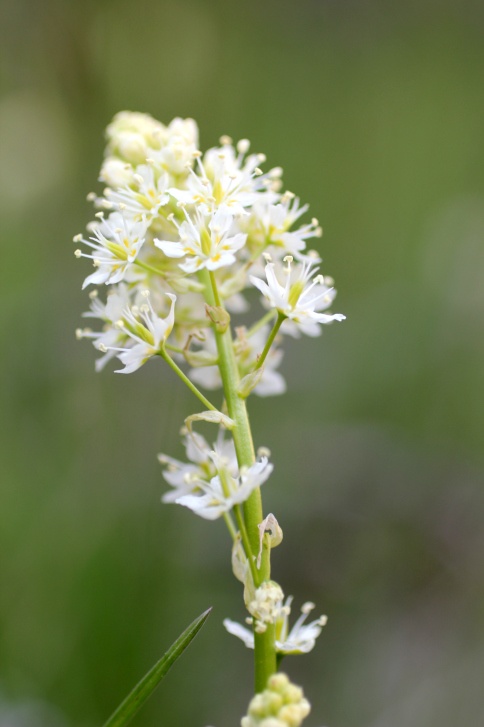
(177, 234)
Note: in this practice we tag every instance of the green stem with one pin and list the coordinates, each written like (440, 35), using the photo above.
(281, 317)
(166, 357)
(267, 318)
(245, 541)
(175, 349)
(149, 268)
(264, 651)
(230, 526)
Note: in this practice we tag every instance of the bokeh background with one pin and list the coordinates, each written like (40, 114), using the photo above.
(375, 110)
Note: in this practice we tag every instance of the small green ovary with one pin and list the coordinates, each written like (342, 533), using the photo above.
(295, 293)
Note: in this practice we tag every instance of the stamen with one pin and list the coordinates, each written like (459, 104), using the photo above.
(275, 172)
(225, 140)
(243, 146)
(307, 607)
(78, 253)
(287, 196)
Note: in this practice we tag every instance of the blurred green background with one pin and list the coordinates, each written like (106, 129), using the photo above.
(375, 110)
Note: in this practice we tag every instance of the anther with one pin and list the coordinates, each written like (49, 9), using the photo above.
(119, 324)
(78, 253)
(225, 140)
(322, 621)
(288, 259)
(261, 158)
(258, 172)
(138, 179)
(267, 257)
(79, 333)
(243, 146)
(319, 279)
(263, 452)
(102, 347)
(77, 238)
(197, 154)
(93, 294)
(307, 607)
(275, 172)
(145, 293)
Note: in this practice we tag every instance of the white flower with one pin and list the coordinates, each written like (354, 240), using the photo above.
(269, 225)
(301, 298)
(204, 245)
(116, 242)
(299, 640)
(117, 300)
(147, 331)
(116, 173)
(226, 181)
(266, 607)
(144, 198)
(224, 491)
(179, 147)
(185, 476)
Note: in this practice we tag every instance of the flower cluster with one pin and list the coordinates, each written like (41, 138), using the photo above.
(170, 217)
(281, 704)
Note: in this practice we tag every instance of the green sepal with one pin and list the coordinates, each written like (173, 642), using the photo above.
(138, 696)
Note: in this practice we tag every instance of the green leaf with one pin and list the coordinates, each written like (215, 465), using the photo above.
(135, 699)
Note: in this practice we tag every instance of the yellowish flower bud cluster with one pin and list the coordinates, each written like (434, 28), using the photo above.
(282, 704)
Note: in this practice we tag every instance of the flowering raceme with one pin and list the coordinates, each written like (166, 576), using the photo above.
(184, 243)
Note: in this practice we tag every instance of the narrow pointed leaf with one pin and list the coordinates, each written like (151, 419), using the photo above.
(135, 699)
